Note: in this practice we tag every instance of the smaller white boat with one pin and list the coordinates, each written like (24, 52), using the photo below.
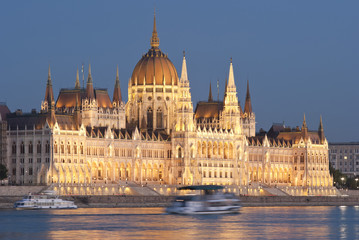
(46, 200)
(211, 202)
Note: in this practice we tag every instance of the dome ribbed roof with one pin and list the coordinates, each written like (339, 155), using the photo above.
(154, 66)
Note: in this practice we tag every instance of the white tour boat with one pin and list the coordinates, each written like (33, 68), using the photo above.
(211, 202)
(47, 200)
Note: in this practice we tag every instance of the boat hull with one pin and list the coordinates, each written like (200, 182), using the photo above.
(232, 211)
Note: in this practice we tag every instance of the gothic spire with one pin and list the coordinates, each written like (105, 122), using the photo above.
(320, 124)
(117, 98)
(248, 103)
(210, 97)
(304, 129)
(184, 77)
(321, 131)
(304, 122)
(155, 41)
(89, 87)
(77, 83)
(49, 94)
(231, 83)
(89, 77)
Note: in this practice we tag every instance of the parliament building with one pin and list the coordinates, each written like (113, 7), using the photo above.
(86, 142)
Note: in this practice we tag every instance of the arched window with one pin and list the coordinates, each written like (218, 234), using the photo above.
(31, 147)
(14, 148)
(55, 147)
(179, 152)
(68, 148)
(62, 147)
(149, 118)
(22, 148)
(159, 118)
(47, 147)
(38, 147)
(75, 148)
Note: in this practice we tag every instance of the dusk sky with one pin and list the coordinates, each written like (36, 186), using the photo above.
(299, 56)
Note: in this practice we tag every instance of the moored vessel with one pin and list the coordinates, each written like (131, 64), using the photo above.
(46, 200)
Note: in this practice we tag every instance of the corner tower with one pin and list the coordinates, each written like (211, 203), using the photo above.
(248, 116)
(231, 115)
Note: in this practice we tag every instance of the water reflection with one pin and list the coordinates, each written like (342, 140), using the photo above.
(153, 223)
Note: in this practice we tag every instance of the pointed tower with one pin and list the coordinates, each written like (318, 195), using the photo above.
(117, 97)
(210, 97)
(77, 83)
(183, 137)
(155, 41)
(231, 118)
(49, 101)
(184, 119)
(249, 119)
(49, 94)
(321, 131)
(89, 87)
(304, 129)
(248, 103)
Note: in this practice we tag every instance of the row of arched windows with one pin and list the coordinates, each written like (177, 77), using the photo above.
(209, 149)
(159, 118)
(69, 149)
(30, 148)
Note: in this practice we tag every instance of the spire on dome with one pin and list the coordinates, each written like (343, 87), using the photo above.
(117, 97)
(184, 77)
(89, 87)
(77, 83)
(155, 41)
(49, 94)
(210, 97)
(248, 103)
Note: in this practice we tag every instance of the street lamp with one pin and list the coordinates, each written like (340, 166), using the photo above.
(342, 178)
(356, 183)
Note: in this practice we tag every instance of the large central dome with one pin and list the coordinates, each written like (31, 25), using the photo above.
(154, 67)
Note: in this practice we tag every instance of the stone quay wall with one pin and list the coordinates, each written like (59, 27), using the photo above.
(164, 201)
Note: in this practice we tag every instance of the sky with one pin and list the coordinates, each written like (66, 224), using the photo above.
(299, 56)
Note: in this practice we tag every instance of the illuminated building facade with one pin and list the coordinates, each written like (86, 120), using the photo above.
(158, 138)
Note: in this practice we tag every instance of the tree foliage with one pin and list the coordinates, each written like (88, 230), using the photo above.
(3, 172)
(347, 182)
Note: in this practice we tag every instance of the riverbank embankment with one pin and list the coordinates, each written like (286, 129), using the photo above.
(114, 201)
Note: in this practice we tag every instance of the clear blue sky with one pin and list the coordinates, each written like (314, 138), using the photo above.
(299, 56)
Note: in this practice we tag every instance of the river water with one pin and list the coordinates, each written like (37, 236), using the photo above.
(153, 223)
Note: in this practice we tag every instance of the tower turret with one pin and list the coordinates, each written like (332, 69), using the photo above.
(304, 129)
(77, 83)
(231, 112)
(249, 119)
(248, 103)
(49, 94)
(184, 113)
(321, 131)
(89, 87)
(210, 97)
(117, 97)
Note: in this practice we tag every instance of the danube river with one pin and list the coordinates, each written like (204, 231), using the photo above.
(153, 223)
